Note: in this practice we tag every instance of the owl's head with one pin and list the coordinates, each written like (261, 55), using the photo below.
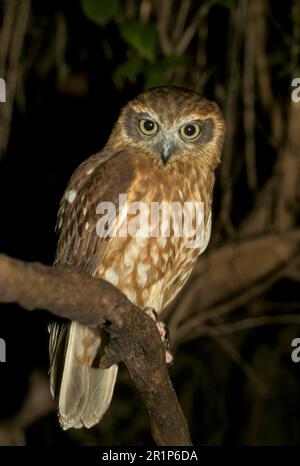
(170, 123)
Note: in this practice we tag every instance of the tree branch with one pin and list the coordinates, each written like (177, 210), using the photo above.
(134, 339)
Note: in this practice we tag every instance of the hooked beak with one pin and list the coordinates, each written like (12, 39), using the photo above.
(167, 147)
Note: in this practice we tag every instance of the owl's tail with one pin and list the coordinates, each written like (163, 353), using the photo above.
(83, 390)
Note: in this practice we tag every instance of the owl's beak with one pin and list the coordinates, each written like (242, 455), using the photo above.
(167, 147)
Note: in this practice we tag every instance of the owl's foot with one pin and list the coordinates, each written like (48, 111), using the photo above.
(163, 331)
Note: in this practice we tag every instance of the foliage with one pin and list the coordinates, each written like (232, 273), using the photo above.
(141, 40)
(100, 12)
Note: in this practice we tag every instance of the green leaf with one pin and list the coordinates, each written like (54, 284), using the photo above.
(130, 69)
(155, 74)
(100, 11)
(155, 77)
(174, 61)
(142, 37)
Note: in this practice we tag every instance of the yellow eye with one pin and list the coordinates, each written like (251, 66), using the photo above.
(190, 131)
(148, 127)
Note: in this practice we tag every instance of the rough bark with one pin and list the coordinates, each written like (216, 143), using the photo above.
(134, 338)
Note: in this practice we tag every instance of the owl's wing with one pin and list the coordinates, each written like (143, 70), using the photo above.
(84, 392)
(99, 179)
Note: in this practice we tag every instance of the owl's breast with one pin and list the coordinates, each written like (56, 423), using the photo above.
(153, 246)
(149, 271)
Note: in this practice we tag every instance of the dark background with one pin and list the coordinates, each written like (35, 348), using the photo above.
(69, 67)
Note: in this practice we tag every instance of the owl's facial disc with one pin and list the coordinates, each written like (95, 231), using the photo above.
(165, 136)
(163, 142)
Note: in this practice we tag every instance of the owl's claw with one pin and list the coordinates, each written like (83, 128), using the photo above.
(151, 313)
(169, 358)
(163, 331)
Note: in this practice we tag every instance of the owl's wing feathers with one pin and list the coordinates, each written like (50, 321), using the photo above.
(92, 182)
(84, 392)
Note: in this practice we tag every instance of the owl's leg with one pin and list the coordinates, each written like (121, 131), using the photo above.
(163, 331)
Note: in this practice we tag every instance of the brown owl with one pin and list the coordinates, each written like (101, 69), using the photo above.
(162, 151)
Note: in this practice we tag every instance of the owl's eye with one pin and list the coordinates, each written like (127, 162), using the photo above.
(190, 131)
(148, 127)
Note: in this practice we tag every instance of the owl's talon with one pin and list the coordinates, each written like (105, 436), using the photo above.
(151, 312)
(169, 358)
(164, 333)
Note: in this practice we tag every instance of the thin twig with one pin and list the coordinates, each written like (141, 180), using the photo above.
(192, 28)
(163, 26)
(6, 32)
(181, 18)
(254, 322)
(248, 370)
(249, 99)
(145, 10)
(179, 334)
(231, 106)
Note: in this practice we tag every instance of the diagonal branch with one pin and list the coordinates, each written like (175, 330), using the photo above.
(71, 294)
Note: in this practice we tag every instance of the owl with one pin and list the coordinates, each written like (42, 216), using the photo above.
(162, 151)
